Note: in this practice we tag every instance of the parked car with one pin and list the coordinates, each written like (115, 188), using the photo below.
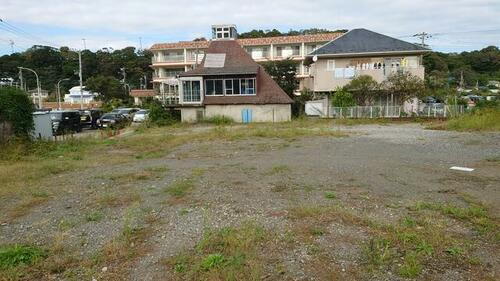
(89, 117)
(65, 121)
(141, 115)
(127, 112)
(112, 120)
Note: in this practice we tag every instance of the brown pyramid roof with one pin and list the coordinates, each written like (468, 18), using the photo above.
(239, 62)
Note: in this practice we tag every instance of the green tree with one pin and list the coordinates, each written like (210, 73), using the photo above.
(342, 98)
(108, 87)
(283, 72)
(404, 86)
(16, 108)
(364, 89)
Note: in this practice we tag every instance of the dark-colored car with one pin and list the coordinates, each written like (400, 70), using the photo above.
(127, 112)
(89, 117)
(112, 120)
(65, 121)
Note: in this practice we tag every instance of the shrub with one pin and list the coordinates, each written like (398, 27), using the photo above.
(342, 98)
(16, 108)
(220, 120)
(158, 115)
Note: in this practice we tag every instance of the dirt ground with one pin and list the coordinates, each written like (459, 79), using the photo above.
(324, 202)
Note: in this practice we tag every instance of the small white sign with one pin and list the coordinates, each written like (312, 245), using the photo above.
(464, 169)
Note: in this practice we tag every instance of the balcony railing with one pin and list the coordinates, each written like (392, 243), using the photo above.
(191, 57)
(169, 59)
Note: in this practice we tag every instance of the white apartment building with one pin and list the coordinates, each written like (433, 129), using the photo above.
(172, 59)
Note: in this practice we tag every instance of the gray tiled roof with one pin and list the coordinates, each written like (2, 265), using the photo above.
(365, 41)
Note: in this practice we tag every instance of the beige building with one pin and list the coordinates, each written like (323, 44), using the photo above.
(171, 59)
(362, 52)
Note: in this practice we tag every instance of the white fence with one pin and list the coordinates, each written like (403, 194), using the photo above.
(430, 111)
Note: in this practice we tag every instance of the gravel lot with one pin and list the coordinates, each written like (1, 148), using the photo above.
(378, 172)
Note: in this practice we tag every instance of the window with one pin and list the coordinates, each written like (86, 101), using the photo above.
(228, 87)
(209, 87)
(191, 91)
(296, 51)
(330, 65)
(236, 87)
(279, 51)
(248, 86)
(214, 87)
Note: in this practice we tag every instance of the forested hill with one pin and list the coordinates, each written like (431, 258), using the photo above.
(258, 33)
(444, 69)
(102, 66)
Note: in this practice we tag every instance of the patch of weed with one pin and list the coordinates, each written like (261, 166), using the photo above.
(330, 195)
(94, 216)
(15, 255)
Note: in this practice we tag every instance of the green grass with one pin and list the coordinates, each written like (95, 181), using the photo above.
(231, 253)
(219, 120)
(278, 169)
(16, 255)
(212, 261)
(411, 267)
(330, 195)
(487, 119)
(180, 188)
(94, 216)
(475, 214)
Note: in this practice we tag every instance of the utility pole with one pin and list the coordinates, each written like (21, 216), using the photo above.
(21, 79)
(461, 85)
(145, 82)
(140, 43)
(124, 74)
(81, 79)
(11, 43)
(422, 36)
(84, 44)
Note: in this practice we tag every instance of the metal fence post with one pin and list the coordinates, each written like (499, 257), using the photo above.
(371, 111)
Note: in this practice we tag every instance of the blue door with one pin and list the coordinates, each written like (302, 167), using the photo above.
(246, 115)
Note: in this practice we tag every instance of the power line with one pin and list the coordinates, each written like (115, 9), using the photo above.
(455, 32)
(22, 33)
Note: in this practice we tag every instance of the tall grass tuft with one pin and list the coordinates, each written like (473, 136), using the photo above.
(219, 120)
(487, 119)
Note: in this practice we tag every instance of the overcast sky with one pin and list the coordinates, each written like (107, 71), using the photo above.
(456, 25)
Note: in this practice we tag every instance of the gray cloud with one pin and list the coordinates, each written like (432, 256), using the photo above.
(181, 20)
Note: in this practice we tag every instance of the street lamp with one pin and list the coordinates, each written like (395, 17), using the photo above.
(59, 92)
(37, 85)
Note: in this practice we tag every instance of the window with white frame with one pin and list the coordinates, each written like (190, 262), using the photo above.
(230, 87)
(248, 86)
(330, 65)
(214, 87)
(279, 51)
(191, 91)
(295, 50)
